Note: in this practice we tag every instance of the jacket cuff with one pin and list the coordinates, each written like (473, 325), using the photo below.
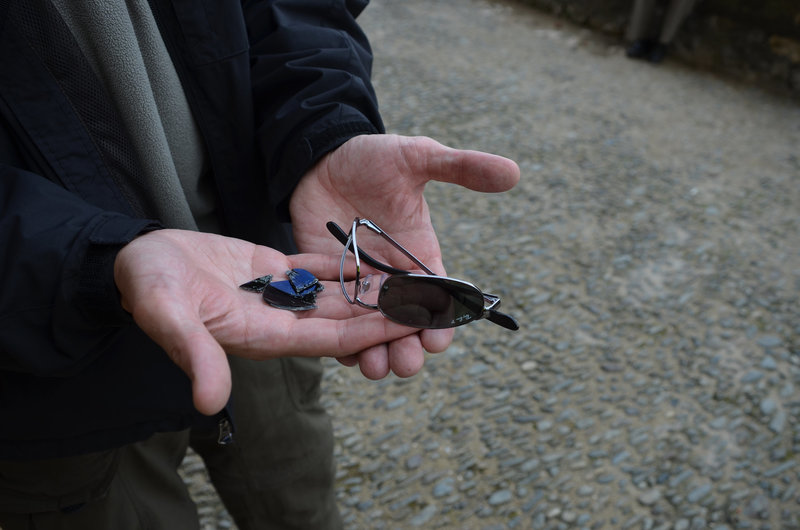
(305, 153)
(98, 296)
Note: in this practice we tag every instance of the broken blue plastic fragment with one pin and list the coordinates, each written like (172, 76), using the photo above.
(302, 280)
(299, 293)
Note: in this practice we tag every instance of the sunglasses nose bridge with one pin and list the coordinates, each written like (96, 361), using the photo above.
(371, 283)
(369, 290)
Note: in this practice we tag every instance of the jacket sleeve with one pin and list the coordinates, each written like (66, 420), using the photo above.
(310, 68)
(58, 302)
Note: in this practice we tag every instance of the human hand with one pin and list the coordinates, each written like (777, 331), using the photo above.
(382, 178)
(182, 289)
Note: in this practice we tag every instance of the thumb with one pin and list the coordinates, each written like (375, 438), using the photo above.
(478, 171)
(191, 346)
(475, 170)
(206, 364)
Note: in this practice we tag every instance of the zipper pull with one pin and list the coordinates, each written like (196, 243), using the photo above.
(225, 431)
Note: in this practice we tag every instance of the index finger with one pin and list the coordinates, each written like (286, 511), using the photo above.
(319, 337)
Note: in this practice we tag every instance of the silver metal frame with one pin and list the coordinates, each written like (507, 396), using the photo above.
(490, 301)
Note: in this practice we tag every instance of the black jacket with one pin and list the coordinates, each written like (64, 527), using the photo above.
(273, 86)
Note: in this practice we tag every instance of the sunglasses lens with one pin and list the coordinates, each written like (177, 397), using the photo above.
(429, 302)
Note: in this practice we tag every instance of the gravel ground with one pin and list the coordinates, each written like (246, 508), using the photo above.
(652, 256)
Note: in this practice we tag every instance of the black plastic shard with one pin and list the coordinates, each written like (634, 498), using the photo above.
(283, 296)
(257, 285)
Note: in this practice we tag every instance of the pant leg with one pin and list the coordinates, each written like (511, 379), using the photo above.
(641, 25)
(132, 488)
(279, 471)
(677, 11)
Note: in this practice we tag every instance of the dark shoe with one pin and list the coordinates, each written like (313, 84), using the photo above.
(639, 49)
(657, 53)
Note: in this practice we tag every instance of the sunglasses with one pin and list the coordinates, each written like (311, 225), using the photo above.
(425, 301)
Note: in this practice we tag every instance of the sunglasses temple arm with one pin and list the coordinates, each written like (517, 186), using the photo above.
(339, 234)
(375, 228)
(502, 319)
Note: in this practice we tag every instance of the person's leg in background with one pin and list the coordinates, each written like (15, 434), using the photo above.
(676, 14)
(642, 29)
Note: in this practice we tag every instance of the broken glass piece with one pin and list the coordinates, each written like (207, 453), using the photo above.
(257, 285)
(299, 293)
(282, 296)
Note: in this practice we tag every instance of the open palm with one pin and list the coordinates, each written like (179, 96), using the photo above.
(182, 289)
(383, 177)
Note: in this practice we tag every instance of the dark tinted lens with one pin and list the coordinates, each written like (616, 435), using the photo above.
(429, 302)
